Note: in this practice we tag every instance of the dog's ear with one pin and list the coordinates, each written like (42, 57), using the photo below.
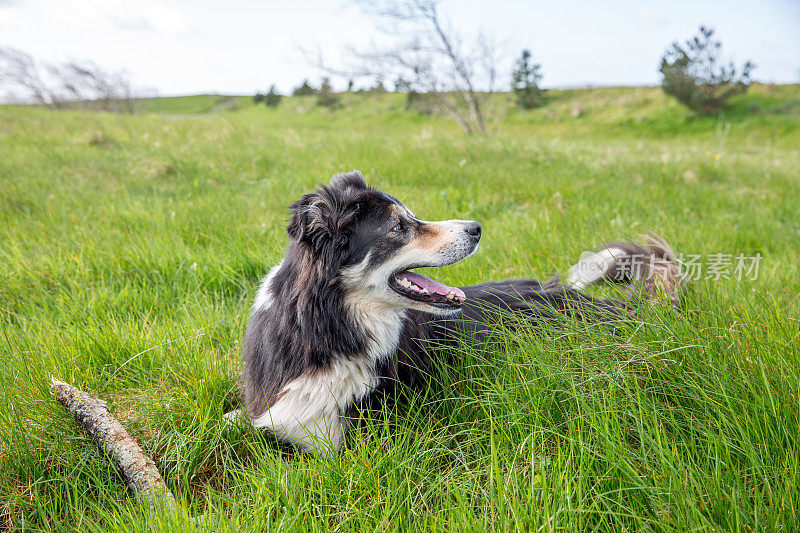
(319, 215)
(298, 222)
(349, 180)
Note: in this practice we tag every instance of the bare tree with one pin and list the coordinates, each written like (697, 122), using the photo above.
(429, 56)
(96, 87)
(20, 72)
(72, 84)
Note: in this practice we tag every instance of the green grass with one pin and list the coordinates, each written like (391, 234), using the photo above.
(195, 104)
(131, 248)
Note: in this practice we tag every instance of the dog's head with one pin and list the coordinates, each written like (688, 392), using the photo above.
(369, 242)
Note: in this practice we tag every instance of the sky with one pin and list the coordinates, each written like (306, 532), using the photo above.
(240, 47)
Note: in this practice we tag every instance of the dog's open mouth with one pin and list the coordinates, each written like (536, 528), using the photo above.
(424, 289)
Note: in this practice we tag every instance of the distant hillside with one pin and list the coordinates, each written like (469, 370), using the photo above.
(760, 99)
(193, 104)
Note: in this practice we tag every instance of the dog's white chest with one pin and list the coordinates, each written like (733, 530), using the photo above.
(308, 410)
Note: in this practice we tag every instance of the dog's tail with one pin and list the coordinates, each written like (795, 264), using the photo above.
(650, 269)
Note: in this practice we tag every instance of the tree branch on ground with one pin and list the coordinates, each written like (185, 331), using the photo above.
(138, 470)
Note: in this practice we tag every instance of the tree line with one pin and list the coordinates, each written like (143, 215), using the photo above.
(439, 69)
(442, 70)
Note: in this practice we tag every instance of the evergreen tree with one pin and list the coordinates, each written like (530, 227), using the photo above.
(305, 89)
(525, 82)
(695, 76)
(326, 97)
(273, 97)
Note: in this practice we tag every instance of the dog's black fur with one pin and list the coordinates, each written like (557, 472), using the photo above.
(319, 327)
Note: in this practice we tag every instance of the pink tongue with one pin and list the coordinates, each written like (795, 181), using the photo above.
(424, 282)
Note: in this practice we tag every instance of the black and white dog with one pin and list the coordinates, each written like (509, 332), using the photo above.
(343, 316)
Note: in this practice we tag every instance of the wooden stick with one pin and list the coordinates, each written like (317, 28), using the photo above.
(138, 470)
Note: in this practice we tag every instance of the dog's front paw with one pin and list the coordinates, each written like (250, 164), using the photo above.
(236, 418)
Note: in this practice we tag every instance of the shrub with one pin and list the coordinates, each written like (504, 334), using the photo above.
(273, 97)
(695, 76)
(422, 102)
(304, 89)
(525, 82)
(378, 88)
(326, 97)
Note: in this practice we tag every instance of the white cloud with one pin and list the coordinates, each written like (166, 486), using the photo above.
(9, 16)
(652, 17)
(148, 15)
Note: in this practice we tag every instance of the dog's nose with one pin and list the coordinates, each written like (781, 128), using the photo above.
(474, 229)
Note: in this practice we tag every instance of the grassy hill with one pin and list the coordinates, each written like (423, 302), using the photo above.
(132, 247)
(194, 104)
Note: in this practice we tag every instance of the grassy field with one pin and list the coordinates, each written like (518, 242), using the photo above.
(131, 248)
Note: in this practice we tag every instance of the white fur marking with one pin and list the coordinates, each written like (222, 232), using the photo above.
(309, 410)
(593, 266)
(382, 323)
(264, 295)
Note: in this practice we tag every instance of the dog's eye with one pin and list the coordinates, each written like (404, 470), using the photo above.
(398, 227)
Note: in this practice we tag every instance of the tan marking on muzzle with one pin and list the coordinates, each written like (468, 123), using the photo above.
(429, 238)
